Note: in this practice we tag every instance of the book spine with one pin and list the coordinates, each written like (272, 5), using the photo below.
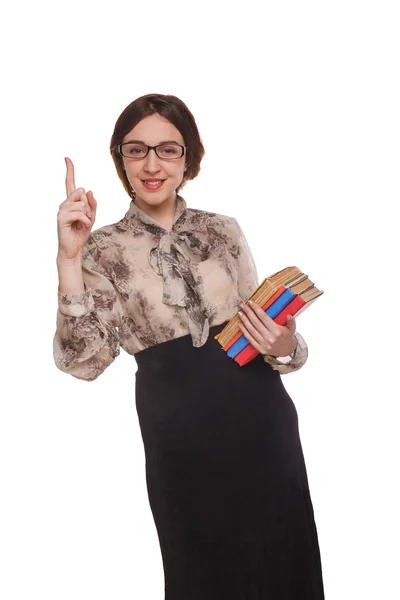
(272, 312)
(232, 341)
(264, 291)
(249, 352)
(267, 304)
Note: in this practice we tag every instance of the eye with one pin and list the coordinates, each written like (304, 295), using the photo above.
(134, 150)
(169, 151)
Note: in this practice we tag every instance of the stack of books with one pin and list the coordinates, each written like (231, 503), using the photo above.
(287, 292)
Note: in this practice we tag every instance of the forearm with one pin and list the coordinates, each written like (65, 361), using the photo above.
(89, 314)
(70, 276)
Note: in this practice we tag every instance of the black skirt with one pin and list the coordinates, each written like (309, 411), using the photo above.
(226, 477)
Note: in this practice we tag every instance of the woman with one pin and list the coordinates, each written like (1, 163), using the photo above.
(225, 471)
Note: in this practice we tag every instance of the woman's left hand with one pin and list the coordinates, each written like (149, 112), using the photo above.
(264, 334)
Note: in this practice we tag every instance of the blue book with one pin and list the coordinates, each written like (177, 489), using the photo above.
(272, 311)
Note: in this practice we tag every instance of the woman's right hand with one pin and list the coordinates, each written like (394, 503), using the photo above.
(75, 218)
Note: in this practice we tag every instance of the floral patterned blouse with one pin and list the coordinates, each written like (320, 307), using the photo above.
(145, 285)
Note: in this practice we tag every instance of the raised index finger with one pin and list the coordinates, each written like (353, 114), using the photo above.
(70, 177)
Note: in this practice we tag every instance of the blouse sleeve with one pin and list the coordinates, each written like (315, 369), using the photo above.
(247, 283)
(86, 340)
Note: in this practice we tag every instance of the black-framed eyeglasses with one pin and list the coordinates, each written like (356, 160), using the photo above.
(137, 151)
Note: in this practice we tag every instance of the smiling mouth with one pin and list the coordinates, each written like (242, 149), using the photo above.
(152, 184)
(152, 180)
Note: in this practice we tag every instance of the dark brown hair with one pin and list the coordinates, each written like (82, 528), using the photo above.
(171, 108)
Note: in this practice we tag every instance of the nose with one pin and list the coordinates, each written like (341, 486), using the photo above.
(152, 162)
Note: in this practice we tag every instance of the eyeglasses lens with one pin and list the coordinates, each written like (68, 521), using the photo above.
(165, 151)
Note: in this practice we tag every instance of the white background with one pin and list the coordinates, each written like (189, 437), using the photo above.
(310, 92)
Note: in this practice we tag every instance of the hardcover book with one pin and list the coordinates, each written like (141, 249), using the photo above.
(288, 291)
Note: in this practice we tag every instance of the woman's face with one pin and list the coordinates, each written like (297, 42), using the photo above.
(154, 130)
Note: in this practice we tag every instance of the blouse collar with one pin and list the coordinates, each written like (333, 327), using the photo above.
(135, 212)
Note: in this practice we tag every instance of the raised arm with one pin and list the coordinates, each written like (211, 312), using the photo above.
(86, 339)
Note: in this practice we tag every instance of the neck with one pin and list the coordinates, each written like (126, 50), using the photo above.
(163, 213)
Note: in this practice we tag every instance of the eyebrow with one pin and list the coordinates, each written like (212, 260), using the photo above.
(163, 142)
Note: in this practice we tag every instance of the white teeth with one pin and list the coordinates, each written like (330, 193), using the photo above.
(153, 182)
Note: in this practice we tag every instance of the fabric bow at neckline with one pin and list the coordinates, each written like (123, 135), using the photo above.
(174, 258)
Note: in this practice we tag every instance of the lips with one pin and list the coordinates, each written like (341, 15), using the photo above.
(158, 183)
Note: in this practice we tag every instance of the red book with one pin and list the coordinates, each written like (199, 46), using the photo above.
(249, 352)
(266, 305)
